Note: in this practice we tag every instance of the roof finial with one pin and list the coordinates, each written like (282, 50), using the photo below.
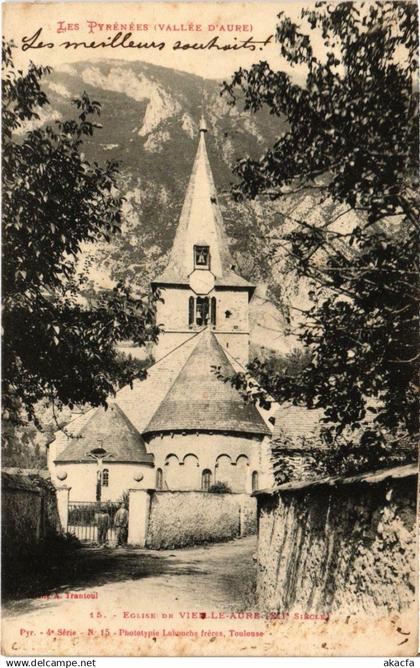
(203, 126)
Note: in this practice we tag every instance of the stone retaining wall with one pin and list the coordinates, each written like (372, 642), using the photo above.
(29, 512)
(339, 544)
(179, 519)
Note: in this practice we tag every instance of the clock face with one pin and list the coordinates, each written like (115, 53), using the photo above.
(201, 281)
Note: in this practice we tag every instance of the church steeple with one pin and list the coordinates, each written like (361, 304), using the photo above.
(200, 223)
(199, 287)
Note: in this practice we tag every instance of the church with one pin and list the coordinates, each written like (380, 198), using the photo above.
(181, 428)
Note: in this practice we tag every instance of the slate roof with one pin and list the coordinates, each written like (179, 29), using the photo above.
(180, 393)
(232, 280)
(109, 430)
(140, 401)
(199, 400)
(201, 223)
(298, 424)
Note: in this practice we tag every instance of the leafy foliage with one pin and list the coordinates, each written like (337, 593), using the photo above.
(57, 343)
(352, 143)
(359, 452)
(25, 445)
(21, 447)
(291, 364)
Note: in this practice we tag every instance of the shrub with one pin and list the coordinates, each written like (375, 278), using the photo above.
(220, 488)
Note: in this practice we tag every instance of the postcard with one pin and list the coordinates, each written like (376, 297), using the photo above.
(210, 422)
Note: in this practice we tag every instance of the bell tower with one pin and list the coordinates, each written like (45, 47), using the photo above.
(199, 287)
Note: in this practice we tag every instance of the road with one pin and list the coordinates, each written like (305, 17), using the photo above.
(191, 602)
(130, 591)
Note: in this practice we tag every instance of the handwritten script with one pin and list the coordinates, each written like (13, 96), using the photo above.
(124, 40)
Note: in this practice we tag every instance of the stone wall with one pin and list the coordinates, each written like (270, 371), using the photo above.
(29, 512)
(345, 545)
(178, 519)
(248, 515)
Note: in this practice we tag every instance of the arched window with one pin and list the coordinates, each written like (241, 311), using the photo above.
(105, 478)
(213, 311)
(206, 480)
(171, 471)
(202, 311)
(159, 479)
(254, 481)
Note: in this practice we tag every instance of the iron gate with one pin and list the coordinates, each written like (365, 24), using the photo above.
(83, 523)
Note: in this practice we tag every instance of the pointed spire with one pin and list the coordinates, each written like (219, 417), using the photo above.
(201, 221)
(201, 224)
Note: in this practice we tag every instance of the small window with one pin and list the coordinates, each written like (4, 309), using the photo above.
(206, 480)
(159, 479)
(254, 481)
(105, 478)
(201, 256)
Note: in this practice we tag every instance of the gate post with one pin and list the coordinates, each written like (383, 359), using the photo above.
(138, 516)
(62, 495)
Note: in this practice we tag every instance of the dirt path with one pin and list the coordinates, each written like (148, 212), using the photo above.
(122, 586)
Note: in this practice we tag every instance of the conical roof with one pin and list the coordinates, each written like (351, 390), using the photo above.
(201, 224)
(199, 400)
(109, 434)
(181, 392)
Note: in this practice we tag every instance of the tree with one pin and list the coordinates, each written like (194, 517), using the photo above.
(57, 344)
(352, 144)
